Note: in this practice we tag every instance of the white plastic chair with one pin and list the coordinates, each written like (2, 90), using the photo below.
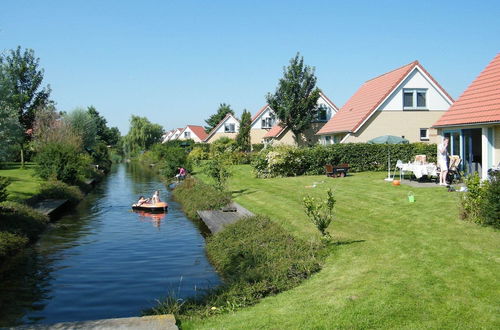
(399, 164)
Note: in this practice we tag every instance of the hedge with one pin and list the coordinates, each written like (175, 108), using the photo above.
(293, 161)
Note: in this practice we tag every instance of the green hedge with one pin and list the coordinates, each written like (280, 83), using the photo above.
(10, 244)
(59, 190)
(292, 161)
(22, 220)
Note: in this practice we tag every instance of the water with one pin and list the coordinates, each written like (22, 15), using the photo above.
(103, 261)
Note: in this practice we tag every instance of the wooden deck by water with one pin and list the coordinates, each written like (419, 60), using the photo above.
(217, 219)
(50, 206)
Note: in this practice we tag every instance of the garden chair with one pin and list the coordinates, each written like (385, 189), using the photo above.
(329, 170)
(453, 169)
(420, 159)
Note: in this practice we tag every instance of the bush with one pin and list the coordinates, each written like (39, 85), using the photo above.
(22, 220)
(195, 195)
(60, 190)
(197, 155)
(490, 210)
(10, 244)
(292, 161)
(221, 146)
(101, 157)
(218, 170)
(4, 182)
(256, 258)
(64, 162)
(320, 212)
(481, 202)
(257, 147)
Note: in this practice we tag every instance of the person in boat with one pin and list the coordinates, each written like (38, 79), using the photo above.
(142, 200)
(156, 197)
(182, 174)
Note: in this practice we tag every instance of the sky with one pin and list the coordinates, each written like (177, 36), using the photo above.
(174, 62)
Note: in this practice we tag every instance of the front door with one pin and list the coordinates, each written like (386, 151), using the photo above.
(473, 152)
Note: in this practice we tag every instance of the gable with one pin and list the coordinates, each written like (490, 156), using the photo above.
(257, 122)
(436, 100)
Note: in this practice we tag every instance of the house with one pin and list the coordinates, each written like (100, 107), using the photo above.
(229, 127)
(265, 126)
(177, 132)
(166, 137)
(473, 122)
(193, 132)
(404, 102)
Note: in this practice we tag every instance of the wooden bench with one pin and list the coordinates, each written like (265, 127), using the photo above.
(335, 171)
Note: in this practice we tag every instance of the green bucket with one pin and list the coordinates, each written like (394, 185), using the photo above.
(411, 197)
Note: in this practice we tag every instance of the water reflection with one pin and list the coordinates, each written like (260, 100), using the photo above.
(102, 260)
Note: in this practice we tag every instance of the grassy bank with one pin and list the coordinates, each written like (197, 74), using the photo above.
(396, 265)
(24, 184)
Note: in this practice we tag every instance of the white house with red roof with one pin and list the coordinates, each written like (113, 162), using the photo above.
(473, 122)
(193, 132)
(176, 133)
(166, 137)
(228, 127)
(266, 129)
(404, 102)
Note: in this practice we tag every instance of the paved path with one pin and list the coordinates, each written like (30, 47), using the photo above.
(164, 322)
(217, 219)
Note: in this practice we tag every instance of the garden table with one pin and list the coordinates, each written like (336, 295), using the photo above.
(419, 170)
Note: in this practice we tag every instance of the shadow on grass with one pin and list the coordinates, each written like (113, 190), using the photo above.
(238, 193)
(347, 242)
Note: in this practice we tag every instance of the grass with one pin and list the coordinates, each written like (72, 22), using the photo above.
(24, 184)
(396, 264)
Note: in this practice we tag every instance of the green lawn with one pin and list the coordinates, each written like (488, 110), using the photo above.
(397, 264)
(24, 184)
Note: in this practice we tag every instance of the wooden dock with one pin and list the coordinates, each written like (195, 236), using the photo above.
(217, 219)
(50, 206)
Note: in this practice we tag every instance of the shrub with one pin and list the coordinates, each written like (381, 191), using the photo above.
(10, 244)
(256, 258)
(490, 210)
(62, 162)
(101, 157)
(195, 195)
(174, 158)
(218, 170)
(292, 161)
(4, 182)
(472, 200)
(60, 190)
(22, 220)
(221, 146)
(197, 155)
(320, 212)
(257, 147)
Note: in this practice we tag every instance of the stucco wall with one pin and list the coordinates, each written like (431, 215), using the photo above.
(309, 137)
(217, 136)
(229, 120)
(398, 123)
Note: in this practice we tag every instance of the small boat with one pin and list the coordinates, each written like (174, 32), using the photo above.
(151, 207)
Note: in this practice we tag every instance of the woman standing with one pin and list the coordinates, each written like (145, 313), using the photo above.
(442, 158)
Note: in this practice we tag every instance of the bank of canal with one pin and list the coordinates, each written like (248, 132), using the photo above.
(102, 260)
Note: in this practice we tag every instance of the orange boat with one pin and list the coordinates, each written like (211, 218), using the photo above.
(150, 207)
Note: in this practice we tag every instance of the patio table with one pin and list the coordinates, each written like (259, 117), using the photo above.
(419, 170)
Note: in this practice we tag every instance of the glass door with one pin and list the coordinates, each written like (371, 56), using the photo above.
(473, 152)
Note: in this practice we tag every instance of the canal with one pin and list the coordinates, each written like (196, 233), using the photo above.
(101, 260)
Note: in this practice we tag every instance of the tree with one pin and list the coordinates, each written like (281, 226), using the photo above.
(216, 118)
(11, 132)
(320, 212)
(142, 134)
(243, 137)
(295, 99)
(84, 125)
(108, 135)
(21, 85)
(50, 127)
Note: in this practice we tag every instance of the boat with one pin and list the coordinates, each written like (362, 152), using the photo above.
(159, 207)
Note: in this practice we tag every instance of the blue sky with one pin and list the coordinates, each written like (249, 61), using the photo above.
(175, 61)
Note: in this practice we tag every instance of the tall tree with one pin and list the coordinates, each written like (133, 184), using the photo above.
(142, 134)
(11, 132)
(108, 135)
(21, 80)
(214, 119)
(243, 137)
(296, 97)
(84, 125)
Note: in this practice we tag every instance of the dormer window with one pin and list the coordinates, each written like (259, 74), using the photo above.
(187, 135)
(323, 112)
(267, 122)
(229, 128)
(414, 99)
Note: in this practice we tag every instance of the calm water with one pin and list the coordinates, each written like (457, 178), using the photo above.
(102, 260)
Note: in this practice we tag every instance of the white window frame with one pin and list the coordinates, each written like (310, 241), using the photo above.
(187, 134)
(426, 137)
(228, 129)
(414, 91)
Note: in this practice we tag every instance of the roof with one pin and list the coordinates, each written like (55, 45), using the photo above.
(328, 101)
(369, 97)
(480, 103)
(212, 132)
(199, 131)
(275, 131)
(257, 115)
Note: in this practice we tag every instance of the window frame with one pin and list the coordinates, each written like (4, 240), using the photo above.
(415, 92)
(426, 137)
(227, 128)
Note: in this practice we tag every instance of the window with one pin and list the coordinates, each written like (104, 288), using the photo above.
(229, 128)
(323, 112)
(328, 139)
(424, 134)
(187, 135)
(267, 122)
(414, 99)
(336, 139)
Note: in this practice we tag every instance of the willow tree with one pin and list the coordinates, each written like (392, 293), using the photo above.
(296, 97)
(142, 134)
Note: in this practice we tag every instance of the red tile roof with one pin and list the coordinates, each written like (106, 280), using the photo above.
(275, 131)
(368, 98)
(199, 131)
(480, 103)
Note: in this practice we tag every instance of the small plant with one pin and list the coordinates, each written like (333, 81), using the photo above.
(320, 212)
(4, 182)
(472, 200)
(218, 170)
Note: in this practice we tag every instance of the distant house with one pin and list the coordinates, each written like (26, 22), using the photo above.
(229, 127)
(266, 129)
(166, 137)
(404, 102)
(193, 132)
(473, 122)
(177, 132)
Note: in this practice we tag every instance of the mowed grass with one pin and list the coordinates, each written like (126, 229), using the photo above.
(24, 184)
(395, 265)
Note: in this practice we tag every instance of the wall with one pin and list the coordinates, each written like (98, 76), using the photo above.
(257, 135)
(496, 152)
(398, 123)
(217, 136)
(309, 137)
(435, 100)
(230, 120)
